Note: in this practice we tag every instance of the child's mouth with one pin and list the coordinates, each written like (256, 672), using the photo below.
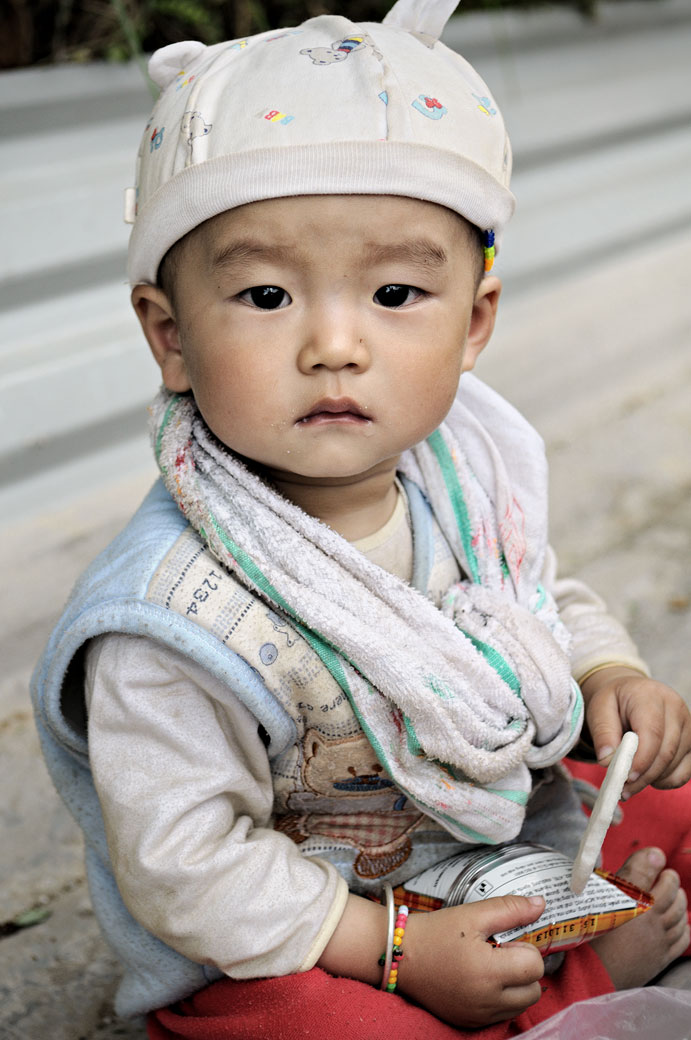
(335, 410)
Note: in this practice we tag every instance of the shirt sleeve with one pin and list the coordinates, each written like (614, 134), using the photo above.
(598, 638)
(185, 787)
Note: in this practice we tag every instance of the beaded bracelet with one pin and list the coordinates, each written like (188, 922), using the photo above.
(397, 948)
(394, 943)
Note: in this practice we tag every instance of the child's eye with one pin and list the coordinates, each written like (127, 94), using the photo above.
(267, 297)
(396, 295)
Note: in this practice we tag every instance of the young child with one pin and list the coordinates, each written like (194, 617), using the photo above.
(330, 650)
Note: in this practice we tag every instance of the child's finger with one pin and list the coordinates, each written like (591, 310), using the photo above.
(660, 746)
(521, 964)
(663, 762)
(672, 767)
(658, 733)
(605, 727)
(504, 912)
(678, 774)
(517, 998)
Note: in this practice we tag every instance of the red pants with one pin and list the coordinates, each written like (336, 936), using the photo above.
(317, 1006)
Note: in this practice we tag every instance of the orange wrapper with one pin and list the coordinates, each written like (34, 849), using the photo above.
(525, 869)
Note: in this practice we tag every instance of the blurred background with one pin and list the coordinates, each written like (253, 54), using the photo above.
(592, 344)
(43, 31)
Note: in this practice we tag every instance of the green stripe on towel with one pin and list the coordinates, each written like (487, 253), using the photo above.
(448, 472)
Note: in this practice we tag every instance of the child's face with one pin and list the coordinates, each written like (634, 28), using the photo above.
(322, 336)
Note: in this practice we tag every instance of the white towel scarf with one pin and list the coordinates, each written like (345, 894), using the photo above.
(458, 703)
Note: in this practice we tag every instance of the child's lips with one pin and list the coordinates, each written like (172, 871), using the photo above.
(332, 410)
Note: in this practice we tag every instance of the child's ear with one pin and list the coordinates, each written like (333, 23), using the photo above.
(157, 319)
(482, 320)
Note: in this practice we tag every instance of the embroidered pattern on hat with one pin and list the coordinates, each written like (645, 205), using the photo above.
(193, 125)
(282, 35)
(485, 105)
(274, 116)
(183, 80)
(156, 139)
(341, 49)
(429, 106)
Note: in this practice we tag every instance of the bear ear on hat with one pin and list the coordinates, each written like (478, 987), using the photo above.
(425, 18)
(166, 63)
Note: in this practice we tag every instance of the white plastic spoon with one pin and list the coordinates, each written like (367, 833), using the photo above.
(603, 811)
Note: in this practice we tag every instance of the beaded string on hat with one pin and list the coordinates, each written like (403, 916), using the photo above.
(488, 239)
(389, 960)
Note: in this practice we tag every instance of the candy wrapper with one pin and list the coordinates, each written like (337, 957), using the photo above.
(606, 902)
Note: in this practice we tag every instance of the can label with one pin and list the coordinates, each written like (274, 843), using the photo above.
(568, 920)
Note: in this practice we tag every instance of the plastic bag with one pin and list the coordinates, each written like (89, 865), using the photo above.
(650, 1012)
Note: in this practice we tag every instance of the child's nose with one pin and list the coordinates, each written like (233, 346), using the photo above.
(333, 344)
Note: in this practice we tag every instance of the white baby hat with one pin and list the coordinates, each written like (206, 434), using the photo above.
(328, 107)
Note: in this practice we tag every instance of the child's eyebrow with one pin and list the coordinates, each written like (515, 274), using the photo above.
(241, 252)
(419, 251)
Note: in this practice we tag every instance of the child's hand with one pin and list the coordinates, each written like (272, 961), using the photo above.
(450, 968)
(618, 699)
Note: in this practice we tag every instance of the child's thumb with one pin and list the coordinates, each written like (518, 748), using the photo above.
(505, 912)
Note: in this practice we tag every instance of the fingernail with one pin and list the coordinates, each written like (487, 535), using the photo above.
(633, 776)
(537, 901)
(656, 858)
(604, 752)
